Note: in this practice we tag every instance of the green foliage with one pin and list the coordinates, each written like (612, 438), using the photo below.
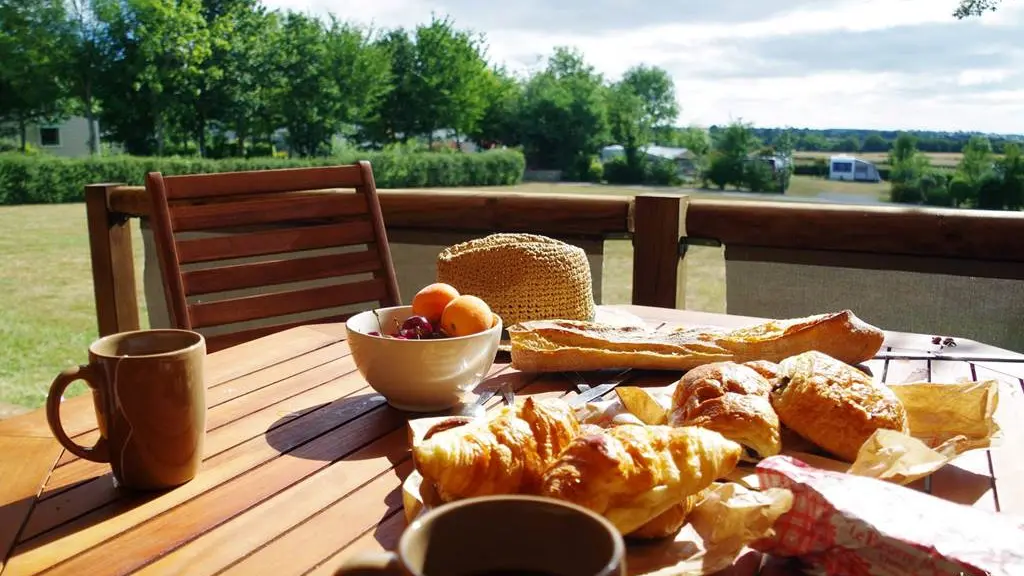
(51, 179)
(564, 113)
(758, 177)
(977, 160)
(649, 171)
(720, 171)
(657, 93)
(33, 48)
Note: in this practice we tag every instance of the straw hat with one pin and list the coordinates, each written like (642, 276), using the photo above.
(522, 277)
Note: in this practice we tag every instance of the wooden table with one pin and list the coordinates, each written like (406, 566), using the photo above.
(304, 464)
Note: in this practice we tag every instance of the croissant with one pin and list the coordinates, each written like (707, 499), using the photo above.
(731, 399)
(503, 455)
(834, 405)
(632, 474)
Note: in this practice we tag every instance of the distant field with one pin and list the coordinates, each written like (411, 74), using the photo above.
(949, 159)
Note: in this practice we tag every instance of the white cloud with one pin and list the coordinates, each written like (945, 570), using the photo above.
(718, 77)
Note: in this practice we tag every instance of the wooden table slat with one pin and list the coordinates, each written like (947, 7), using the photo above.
(303, 547)
(24, 466)
(383, 537)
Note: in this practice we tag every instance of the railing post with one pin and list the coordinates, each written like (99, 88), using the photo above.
(658, 278)
(113, 266)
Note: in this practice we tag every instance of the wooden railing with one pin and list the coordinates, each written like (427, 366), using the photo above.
(110, 209)
(661, 226)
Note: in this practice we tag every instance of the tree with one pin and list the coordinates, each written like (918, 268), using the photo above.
(564, 113)
(309, 100)
(657, 94)
(630, 126)
(152, 51)
(968, 8)
(731, 163)
(502, 95)
(85, 61)
(875, 143)
(449, 75)
(396, 116)
(977, 160)
(695, 139)
(33, 46)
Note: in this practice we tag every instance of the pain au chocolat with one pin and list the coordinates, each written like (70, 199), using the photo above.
(833, 405)
(732, 399)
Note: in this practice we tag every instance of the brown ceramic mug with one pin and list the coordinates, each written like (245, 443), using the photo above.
(501, 535)
(150, 400)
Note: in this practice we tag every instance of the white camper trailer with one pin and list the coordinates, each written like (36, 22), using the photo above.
(852, 169)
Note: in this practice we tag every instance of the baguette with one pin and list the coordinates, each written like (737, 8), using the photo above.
(567, 345)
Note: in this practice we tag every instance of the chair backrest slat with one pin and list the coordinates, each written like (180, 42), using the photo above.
(261, 181)
(241, 276)
(269, 242)
(205, 314)
(282, 208)
(245, 254)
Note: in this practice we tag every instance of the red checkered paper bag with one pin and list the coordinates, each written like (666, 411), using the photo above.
(850, 525)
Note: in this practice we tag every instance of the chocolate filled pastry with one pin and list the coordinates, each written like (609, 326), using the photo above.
(833, 405)
(505, 454)
(732, 399)
(632, 474)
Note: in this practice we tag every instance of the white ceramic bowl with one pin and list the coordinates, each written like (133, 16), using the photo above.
(419, 375)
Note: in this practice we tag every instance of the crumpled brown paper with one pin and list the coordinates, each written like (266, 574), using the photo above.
(945, 421)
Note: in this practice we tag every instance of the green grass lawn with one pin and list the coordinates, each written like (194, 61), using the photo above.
(48, 315)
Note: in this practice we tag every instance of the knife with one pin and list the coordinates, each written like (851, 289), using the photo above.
(600, 389)
(950, 357)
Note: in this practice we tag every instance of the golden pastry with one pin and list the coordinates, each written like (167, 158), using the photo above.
(834, 405)
(731, 399)
(632, 474)
(505, 454)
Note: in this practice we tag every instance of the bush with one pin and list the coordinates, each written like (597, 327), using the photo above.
(51, 179)
(758, 177)
(651, 172)
(662, 173)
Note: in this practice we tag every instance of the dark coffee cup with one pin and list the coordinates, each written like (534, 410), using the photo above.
(501, 535)
(150, 401)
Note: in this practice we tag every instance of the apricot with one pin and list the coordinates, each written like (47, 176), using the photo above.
(431, 300)
(466, 315)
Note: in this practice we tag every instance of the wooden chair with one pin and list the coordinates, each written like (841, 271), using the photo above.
(245, 254)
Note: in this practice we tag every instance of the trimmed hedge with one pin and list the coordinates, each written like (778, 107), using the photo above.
(52, 179)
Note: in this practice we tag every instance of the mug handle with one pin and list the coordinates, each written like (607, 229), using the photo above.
(98, 453)
(371, 564)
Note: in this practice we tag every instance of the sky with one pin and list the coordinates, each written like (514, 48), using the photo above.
(872, 64)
